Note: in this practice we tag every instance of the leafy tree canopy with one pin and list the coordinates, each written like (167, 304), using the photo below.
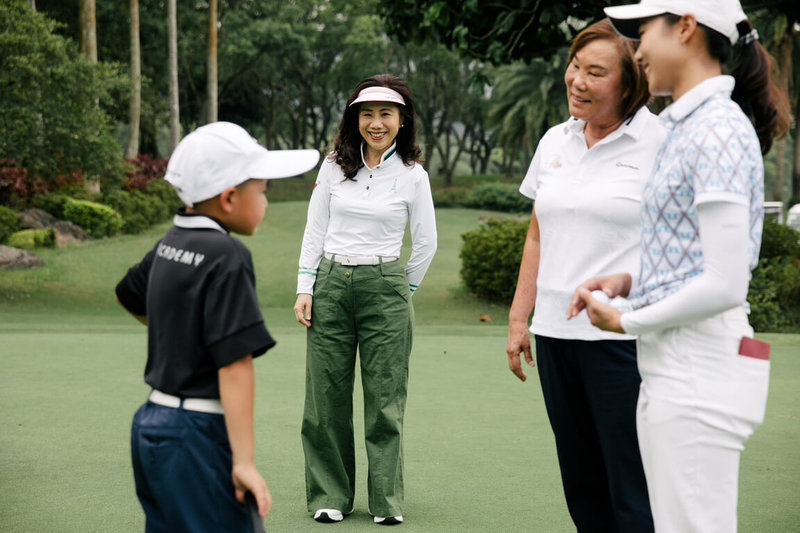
(53, 105)
(502, 31)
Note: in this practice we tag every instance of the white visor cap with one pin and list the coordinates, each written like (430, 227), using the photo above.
(221, 155)
(719, 15)
(379, 94)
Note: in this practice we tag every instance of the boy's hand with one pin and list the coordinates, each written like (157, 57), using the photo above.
(246, 478)
(302, 309)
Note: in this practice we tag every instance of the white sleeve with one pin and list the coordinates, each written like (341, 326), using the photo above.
(723, 284)
(316, 228)
(422, 223)
(530, 181)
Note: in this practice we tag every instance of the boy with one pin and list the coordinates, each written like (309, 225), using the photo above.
(192, 441)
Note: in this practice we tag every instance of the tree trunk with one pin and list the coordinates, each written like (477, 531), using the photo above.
(784, 75)
(135, 109)
(211, 87)
(174, 110)
(32, 4)
(796, 172)
(88, 30)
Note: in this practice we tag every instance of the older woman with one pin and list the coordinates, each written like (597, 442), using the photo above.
(369, 188)
(586, 181)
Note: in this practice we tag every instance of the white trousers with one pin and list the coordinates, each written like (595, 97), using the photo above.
(699, 402)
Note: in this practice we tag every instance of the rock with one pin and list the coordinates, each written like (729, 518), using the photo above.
(66, 232)
(17, 259)
(36, 219)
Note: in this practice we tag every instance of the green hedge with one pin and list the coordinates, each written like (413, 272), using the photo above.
(98, 220)
(498, 197)
(9, 223)
(491, 254)
(33, 238)
(139, 211)
(774, 294)
(490, 258)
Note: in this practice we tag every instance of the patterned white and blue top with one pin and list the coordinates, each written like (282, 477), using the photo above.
(711, 154)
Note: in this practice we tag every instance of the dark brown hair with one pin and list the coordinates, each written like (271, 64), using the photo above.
(634, 83)
(347, 143)
(755, 91)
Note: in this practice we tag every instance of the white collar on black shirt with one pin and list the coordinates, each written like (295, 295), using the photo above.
(694, 97)
(185, 220)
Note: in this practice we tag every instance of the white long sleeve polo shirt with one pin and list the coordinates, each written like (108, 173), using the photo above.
(368, 216)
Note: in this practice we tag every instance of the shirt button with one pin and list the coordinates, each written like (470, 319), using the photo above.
(367, 187)
(347, 274)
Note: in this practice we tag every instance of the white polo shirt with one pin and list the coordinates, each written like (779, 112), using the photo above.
(368, 216)
(587, 205)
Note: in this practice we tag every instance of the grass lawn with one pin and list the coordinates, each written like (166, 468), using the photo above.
(479, 451)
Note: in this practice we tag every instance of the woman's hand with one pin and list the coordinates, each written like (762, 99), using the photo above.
(602, 315)
(519, 342)
(613, 285)
(302, 309)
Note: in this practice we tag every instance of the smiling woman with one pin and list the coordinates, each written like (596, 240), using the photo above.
(369, 188)
(586, 181)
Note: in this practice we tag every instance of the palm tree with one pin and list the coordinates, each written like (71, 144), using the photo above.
(135, 109)
(527, 99)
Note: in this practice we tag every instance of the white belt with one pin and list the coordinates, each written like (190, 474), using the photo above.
(202, 405)
(356, 260)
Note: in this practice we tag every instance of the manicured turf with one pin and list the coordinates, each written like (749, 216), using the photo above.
(479, 451)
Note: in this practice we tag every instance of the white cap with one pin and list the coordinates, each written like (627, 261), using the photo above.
(221, 155)
(719, 15)
(379, 94)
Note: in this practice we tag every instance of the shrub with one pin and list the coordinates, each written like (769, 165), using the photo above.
(97, 219)
(145, 170)
(774, 293)
(52, 203)
(498, 197)
(161, 189)
(778, 240)
(765, 312)
(450, 197)
(141, 208)
(33, 238)
(490, 258)
(9, 223)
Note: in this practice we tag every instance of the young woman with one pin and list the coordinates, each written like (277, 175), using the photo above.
(586, 181)
(704, 379)
(368, 189)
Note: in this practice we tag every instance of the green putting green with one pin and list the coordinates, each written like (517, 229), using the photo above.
(479, 451)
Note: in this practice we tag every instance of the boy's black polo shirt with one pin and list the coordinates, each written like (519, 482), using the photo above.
(197, 288)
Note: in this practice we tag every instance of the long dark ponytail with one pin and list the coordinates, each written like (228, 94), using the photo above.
(755, 91)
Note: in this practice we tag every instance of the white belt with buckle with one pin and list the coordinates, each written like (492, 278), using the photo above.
(202, 405)
(357, 260)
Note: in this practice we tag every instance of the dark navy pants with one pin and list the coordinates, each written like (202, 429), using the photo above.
(590, 390)
(182, 467)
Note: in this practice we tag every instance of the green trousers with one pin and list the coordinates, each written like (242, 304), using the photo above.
(365, 308)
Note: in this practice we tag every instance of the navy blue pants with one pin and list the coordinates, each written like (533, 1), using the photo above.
(590, 390)
(182, 467)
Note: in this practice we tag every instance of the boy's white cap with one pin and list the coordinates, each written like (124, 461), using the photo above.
(719, 15)
(379, 94)
(221, 155)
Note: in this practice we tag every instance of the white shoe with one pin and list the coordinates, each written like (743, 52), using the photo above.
(388, 520)
(328, 516)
